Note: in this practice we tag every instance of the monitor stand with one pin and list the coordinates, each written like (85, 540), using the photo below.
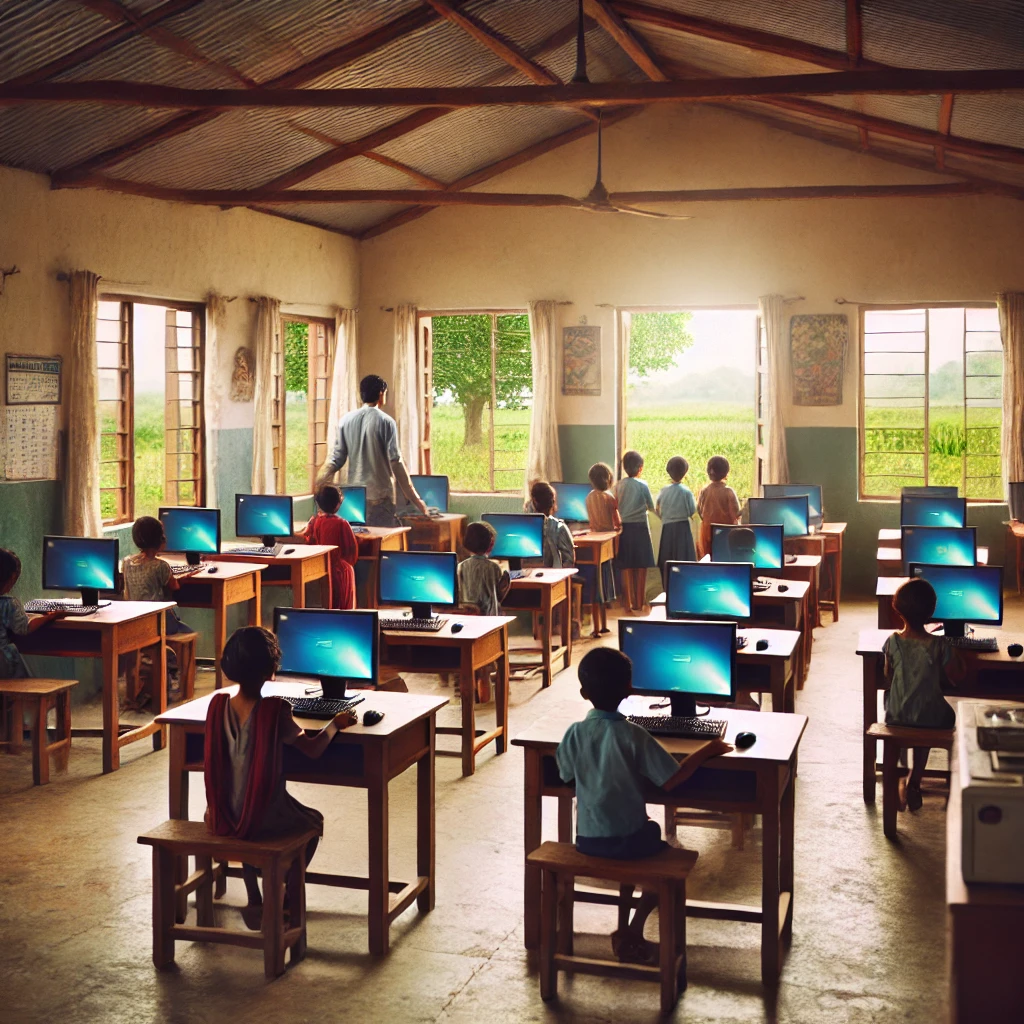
(193, 557)
(515, 564)
(91, 596)
(954, 628)
(684, 705)
(333, 687)
(422, 611)
(271, 542)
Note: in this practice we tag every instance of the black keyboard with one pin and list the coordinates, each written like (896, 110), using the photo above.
(360, 529)
(185, 570)
(790, 559)
(432, 625)
(40, 604)
(258, 550)
(760, 585)
(741, 642)
(967, 643)
(518, 574)
(687, 728)
(322, 707)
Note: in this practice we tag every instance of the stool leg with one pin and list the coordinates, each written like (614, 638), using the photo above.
(40, 757)
(296, 890)
(667, 946)
(220, 885)
(566, 906)
(680, 909)
(63, 723)
(548, 974)
(273, 920)
(204, 894)
(163, 906)
(890, 787)
(671, 829)
(17, 730)
(625, 905)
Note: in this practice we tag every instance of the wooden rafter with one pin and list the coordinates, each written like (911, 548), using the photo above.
(945, 125)
(854, 34)
(604, 14)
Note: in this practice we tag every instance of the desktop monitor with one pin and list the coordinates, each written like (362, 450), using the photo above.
(353, 505)
(929, 511)
(759, 545)
(813, 492)
(520, 535)
(964, 594)
(434, 491)
(572, 501)
(929, 492)
(938, 545)
(80, 563)
(791, 512)
(708, 590)
(337, 647)
(267, 516)
(683, 661)
(418, 578)
(196, 531)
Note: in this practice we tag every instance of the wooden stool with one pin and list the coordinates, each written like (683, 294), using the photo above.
(666, 872)
(282, 862)
(42, 693)
(184, 647)
(896, 738)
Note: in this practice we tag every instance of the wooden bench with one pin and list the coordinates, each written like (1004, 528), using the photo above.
(665, 873)
(42, 693)
(895, 739)
(281, 860)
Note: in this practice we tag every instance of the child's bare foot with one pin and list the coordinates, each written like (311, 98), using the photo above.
(632, 949)
(252, 915)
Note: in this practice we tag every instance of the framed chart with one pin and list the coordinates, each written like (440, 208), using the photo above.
(33, 380)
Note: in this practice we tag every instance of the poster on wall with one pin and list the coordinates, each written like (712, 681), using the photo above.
(29, 442)
(33, 380)
(581, 360)
(817, 345)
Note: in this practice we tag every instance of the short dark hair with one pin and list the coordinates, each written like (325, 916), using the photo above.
(677, 467)
(371, 387)
(600, 476)
(10, 566)
(543, 495)
(718, 467)
(915, 601)
(148, 533)
(632, 463)
(251, 656)
(606, 677)
(328, 498)
(479, 538)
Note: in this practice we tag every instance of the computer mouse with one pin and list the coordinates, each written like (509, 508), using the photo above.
(288, 551)
(782, 588)
(538, 574)
(762, 645)
(372, 717)
(456, 627)
(1014, 650)
(744, 740)
(213, 568)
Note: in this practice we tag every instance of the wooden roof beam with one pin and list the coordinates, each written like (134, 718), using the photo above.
(631, 44)
(854, 34)
(945, 126)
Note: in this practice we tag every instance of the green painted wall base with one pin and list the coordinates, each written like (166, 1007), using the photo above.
(581, 445)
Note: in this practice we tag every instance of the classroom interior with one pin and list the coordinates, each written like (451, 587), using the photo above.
(899, 191)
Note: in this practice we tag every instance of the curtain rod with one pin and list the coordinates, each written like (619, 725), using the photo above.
(686, 308)
(473, 310)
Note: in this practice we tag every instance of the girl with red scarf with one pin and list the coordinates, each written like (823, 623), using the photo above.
(327, 527)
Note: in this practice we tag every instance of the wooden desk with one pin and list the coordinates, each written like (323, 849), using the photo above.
(361, 757)
(597, 549)
(885, 588)
(482, 639)
(990, 674)
(303, 564)
(232, 583)
(121, 627)
(764, 783)
(542, 591)
(1015, 544)
(890, 560)
(832, 588)
(889, 538)
(807, 568)
(443, 532)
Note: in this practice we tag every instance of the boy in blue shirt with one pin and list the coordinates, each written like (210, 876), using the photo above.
(610, 758)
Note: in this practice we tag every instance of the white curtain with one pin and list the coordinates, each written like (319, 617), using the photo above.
(407, 374)
(776, 463)
(344, 374)
(268, 325)
(1011, 328)
(216, 310)
(82, 486)
(543, 461)
(623, 327)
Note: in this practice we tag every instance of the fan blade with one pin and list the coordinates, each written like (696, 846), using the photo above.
(619, 208)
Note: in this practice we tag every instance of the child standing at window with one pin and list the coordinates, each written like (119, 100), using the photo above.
(717, 503)
(603, 513)
(636, 552)
(675, 506)
(327, 527)
(13, 619)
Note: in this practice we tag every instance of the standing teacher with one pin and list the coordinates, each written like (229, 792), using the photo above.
(368, 441)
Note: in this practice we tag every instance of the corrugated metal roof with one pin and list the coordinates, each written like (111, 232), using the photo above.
(33, 34)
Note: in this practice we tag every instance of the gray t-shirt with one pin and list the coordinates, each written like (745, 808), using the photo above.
(368, 441)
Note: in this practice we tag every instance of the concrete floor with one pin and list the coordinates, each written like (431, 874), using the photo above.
(868, 937)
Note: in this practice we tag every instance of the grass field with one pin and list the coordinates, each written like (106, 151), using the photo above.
(468, 468)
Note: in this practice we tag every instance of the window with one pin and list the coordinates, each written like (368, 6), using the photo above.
(303, 354)
(481, 380)
(149, 357)
(931, 401)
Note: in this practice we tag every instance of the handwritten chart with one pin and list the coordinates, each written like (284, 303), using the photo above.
(33, 380)
(30, 442)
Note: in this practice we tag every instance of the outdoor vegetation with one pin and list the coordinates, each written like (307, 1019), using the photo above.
(296, 414)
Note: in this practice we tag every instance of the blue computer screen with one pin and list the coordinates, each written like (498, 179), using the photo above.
(791, 513)
(709, 590)
(572, 501)
(680, 657)
(192, 529)
(417, 577)
(939, 545)
(759, 545)
(813, 492)
(929, 492)
(930, 511)
(263, 515)
(965, 593)
(519, 535)
(319, 642)
(353, 504)
(79, 563)
(433, 490)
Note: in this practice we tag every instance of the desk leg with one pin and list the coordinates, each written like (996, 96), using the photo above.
(771, 953)
(869, 669)
(255, 605)
(567, 625)
(178, 809)
(377, 808)
(837, 587)
(532, 808)
(108, 667)
(467, 691)
(160, 682)
(425, 827)
(298, 587)
(787, 836)
(546, 635)
(220, 630)
(501, 696)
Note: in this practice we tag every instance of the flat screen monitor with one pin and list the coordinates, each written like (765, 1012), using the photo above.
(338, 647)
(929, 492)
(519, 535)
(196, 531)
(708, 590)
(761, 546)
(434, 491)
(792, 513)
(927, 511)
(85, 564)
(684, 661)
(813, 492)
(267, 516)
(939, 545)
(422, 579)
(572, 502)
(964, 594)
(353, 505)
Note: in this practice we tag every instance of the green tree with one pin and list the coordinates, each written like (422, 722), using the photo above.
(462, 365)
(296, 355)
(656, 341)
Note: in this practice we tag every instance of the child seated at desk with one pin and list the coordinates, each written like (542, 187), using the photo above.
(327, 527)
(559, 548)
(148, 577)
(609, 758)
(13, 619)
(916, 666)
(243, 767)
